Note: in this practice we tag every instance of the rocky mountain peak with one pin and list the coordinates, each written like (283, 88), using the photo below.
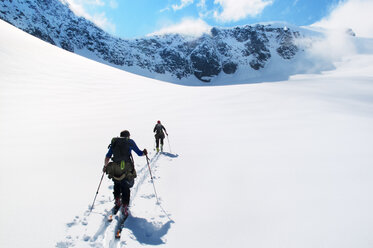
(248, 49)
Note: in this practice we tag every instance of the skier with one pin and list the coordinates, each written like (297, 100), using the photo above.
(159, 134)
(122, 169)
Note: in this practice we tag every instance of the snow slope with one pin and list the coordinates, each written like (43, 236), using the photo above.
(279, 164)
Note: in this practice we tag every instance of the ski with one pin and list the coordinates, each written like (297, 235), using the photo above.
(120, 226)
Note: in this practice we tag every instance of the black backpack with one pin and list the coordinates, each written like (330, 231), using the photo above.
(122, 166)
(121, 149)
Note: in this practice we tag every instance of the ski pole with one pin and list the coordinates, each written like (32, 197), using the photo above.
(155, 192)
(150, 171)
(169, 146)
(103, 173)
(151, 176)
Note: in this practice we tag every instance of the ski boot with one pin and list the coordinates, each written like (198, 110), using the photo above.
(115, 209)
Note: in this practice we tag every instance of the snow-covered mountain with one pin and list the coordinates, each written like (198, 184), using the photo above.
(240, 54)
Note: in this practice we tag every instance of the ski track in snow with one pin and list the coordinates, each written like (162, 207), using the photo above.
(94, 230)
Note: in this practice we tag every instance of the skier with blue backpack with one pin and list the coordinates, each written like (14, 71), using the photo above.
(121, 169)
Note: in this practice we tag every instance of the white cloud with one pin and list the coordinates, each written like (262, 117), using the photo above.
(234, 10)
(100, 19)
(202, 4)
(182, 5)
(354, 14)
(164, 9)
(91, 2)
(337, 44)
(113, 4)
(77, 8)
(96, 2)
(334, 47)
(190, 27)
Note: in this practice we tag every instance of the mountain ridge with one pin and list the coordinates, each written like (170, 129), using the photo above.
(244, 52)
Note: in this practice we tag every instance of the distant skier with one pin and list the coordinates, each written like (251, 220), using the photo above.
(159, 134)
(122, 169)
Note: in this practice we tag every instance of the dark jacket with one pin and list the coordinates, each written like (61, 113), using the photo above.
(158, 129)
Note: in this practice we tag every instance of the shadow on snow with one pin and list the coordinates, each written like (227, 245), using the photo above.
(147, 232)
(167, 154)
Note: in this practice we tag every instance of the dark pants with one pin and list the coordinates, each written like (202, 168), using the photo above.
(159, 137)
(122, 189)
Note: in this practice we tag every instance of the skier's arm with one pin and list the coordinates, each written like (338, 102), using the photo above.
(164, 130)
(107, 158)
(106, 161)
(136, 149)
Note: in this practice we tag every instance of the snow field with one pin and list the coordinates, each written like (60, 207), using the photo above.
(280, 164)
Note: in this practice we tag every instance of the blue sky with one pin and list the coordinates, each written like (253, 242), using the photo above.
(137, 18)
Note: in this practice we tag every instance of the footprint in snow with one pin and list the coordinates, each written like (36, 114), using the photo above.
(84, 222)
(64, 244)
(86, 238)
(148, 196)
(74, 222)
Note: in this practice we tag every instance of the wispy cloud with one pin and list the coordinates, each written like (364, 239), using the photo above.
(188, 26)
(99, 18)
(77, 8)
(113, 4)
(91, 2)
(182, 5)
(334, 47)
(234, 10)
(164, 9)
(202, 4)
(354, 14)
(102, 21)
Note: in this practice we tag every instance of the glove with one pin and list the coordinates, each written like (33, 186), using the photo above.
(145, 152)
(104, 169)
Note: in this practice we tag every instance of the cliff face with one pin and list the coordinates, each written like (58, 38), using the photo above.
(223, 52)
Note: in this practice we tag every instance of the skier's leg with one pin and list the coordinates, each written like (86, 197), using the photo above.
(116, 193)
(126, 194)
(162, 143)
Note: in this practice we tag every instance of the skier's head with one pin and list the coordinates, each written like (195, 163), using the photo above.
(125, 134)
(159, 122)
